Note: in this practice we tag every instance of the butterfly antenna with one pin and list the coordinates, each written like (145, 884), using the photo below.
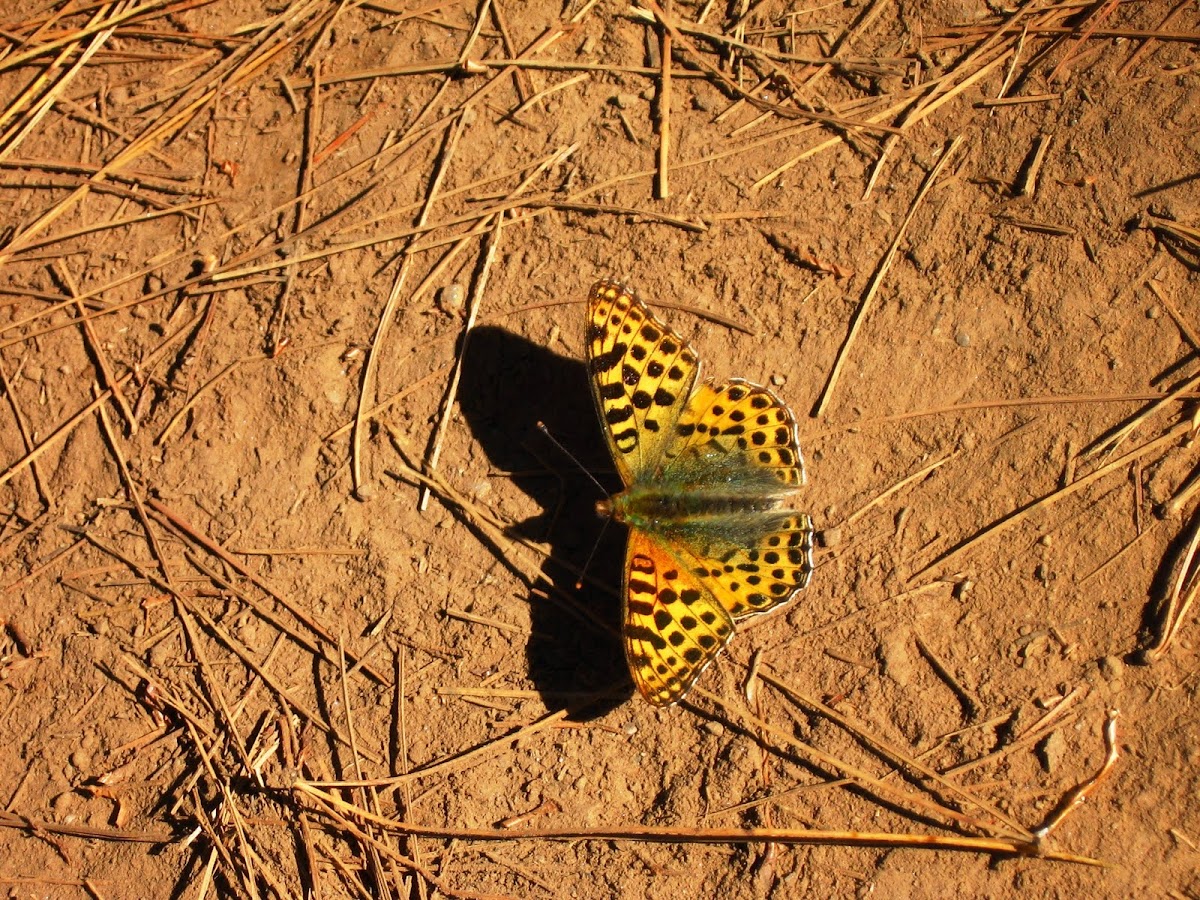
(591, 555)
(571, 456)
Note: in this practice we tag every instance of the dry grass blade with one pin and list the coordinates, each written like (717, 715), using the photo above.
(1172, 610)
(10, 819)
(68, 426)
(185, 529)
(1019, 515)
(881, 270)
(787, 112)
(450, 397)
(934, 785)
(685, 835)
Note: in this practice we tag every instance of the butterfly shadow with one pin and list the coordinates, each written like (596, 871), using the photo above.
(508, 386)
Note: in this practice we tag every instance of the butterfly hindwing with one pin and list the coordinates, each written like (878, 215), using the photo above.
(749, 578)
(642, 374)
(673, 625)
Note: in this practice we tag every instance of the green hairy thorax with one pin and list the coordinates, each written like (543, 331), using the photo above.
(712, 501)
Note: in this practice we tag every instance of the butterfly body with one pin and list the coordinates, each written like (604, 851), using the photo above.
(713, 516)
(712, 474)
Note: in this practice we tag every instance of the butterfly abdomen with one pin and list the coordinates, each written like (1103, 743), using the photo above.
(654, 510)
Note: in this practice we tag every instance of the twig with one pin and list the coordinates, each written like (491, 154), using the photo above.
(1173, 609)
(1078, 794)
(662, 183)
(451, 395)
(684, 835)
(884, 266)
(1020, 514)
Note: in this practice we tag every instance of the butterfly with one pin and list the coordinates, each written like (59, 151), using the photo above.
(712, 473)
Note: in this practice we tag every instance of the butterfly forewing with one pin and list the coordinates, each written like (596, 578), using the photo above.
(642, 374)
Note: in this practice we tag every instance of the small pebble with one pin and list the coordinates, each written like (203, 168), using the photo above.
(365, 492)
(1112, 668)
(962, 339)
(1051, 750)
(716, 729)
(1153, 313)
(81, 759)
(625, 101)
(450, 298)
(831, 537)
(160, 654)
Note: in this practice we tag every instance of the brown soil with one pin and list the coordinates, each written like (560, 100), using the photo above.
(187, 559)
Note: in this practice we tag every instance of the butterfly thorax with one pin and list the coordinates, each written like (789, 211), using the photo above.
(711, 520)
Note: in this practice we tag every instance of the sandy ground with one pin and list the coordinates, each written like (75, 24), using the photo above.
(271, 273)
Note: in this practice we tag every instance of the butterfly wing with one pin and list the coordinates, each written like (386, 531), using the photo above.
(740, 436)
(750, 428)
(642, 374)
(674, 626)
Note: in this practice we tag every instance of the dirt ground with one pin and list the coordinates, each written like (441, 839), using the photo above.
(289, 573)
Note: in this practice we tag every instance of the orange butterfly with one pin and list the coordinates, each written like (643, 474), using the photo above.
(711, 475)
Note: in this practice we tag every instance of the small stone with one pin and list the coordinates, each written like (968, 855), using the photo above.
(716, 729)
(365, 492)
(701, 102)
(896, 656)
(450, 299)
(1153, 313)
(625, 101)
(831, 537)
(1050, 751)
(64, 803)
(81, 759)
(1112, 668)
(962, 339)
(160, 654)
(1045, 540)
(778, 380)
